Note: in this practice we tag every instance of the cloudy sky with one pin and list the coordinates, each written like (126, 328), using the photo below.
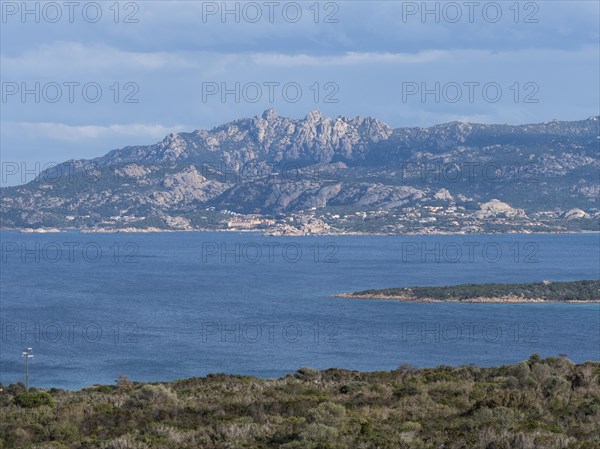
(82, 78)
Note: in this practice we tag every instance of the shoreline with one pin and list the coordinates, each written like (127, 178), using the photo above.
(267, 234)
(482, 300)
(306, 370)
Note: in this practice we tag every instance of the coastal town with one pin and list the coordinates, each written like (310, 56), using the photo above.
(492, 217)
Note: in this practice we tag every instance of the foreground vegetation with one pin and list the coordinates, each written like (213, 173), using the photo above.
(535, 404)
(540, 291)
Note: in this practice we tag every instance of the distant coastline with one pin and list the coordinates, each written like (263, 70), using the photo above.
(328, 233)
(585, 291)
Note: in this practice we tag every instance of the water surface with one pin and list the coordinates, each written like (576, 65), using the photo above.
(174, 305)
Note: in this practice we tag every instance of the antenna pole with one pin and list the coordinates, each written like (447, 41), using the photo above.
(28, 355)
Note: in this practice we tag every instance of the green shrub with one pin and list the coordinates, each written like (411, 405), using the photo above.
(107, 389)
(410, 426)
(405, 390)
(329, 414)
(28, 399)
(319, 432)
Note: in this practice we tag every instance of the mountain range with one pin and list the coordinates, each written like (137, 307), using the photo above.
(320, 174)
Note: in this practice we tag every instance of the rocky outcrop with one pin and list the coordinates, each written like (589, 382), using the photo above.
(495, 208)
(574, 214)
(443, 194)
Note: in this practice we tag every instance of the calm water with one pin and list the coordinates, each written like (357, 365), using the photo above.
(175, 305)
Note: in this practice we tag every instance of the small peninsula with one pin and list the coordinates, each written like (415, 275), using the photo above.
(546, 291)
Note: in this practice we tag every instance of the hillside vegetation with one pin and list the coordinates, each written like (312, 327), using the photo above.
(546, 291)
(535, 404)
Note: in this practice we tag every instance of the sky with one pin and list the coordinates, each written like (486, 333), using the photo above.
(82, 78)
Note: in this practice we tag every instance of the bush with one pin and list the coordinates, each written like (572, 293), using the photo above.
(107, 389)
(410, 426)
(405, 390)
(28, 399)
(123, 442)
(123, 383)
(329, 414)
(319, 432)
(152, 395)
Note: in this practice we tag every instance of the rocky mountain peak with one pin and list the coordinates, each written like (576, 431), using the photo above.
(313, 116)
(270, 114)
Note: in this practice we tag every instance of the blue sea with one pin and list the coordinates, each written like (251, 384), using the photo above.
(164, 306)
